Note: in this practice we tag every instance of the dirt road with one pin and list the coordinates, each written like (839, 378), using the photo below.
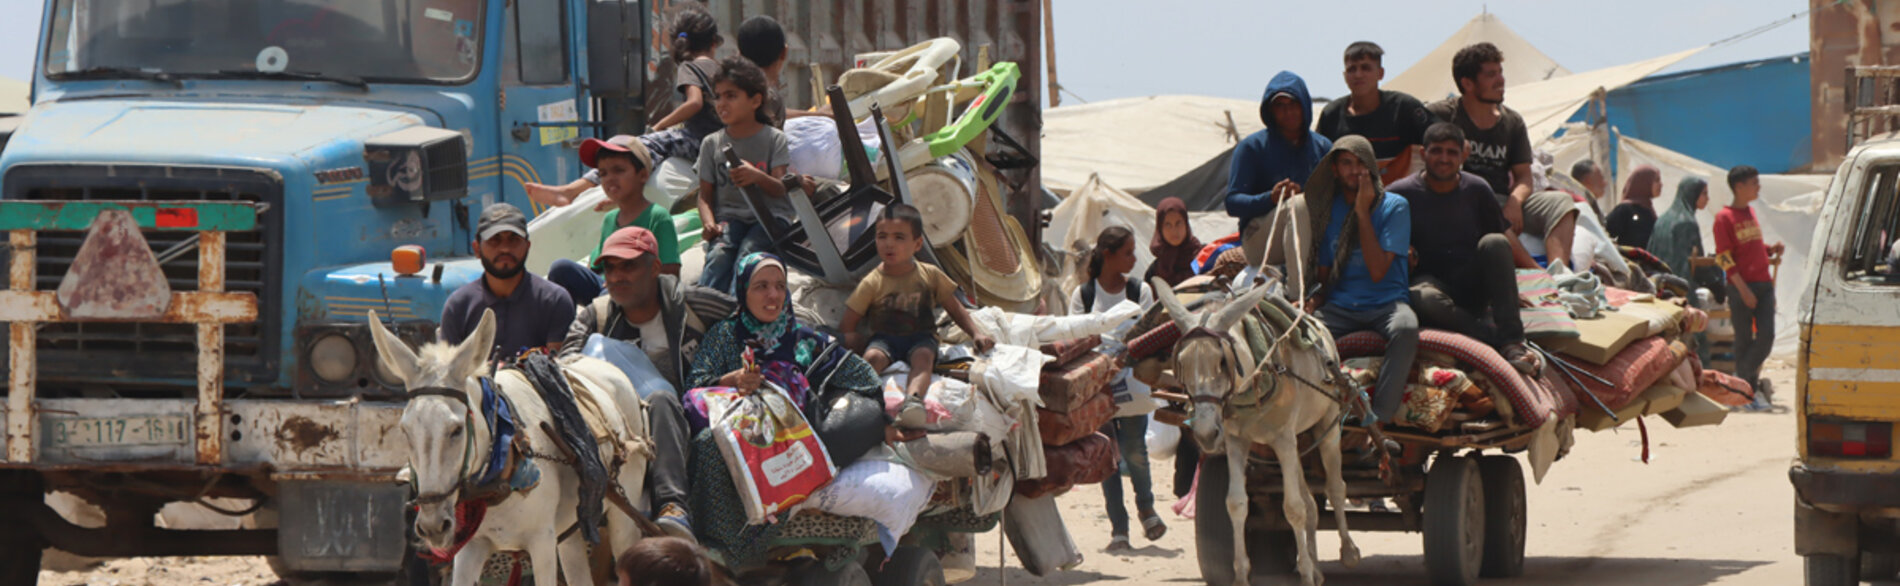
(1711, 507)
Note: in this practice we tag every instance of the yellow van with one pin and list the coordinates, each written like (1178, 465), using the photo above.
(1847, 480)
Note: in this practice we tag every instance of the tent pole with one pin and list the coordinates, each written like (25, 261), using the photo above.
(1049, 47)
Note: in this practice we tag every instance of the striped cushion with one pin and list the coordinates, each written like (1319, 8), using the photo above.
(1546, 317)
(1633, 370)
(1531, 404)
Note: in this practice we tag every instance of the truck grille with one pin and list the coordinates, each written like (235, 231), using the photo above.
(153, 356)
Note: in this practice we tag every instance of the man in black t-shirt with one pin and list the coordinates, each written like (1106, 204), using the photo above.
(1498, 144)
(1393, 121)
(1455, 214)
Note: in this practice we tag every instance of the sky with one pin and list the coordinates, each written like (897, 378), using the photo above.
(1229, 48)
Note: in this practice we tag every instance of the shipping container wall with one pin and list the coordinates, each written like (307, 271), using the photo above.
(830, 32)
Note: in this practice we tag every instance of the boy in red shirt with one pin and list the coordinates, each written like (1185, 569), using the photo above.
(1743, 254)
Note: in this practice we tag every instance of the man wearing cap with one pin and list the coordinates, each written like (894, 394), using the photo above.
(666, 319)
(530, 312)
(623, 165)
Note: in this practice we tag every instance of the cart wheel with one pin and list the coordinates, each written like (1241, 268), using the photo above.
(1454, 521)
(1833, 570)
(911, 566)
(1504, 517)
(1272, 552)
(815, 574)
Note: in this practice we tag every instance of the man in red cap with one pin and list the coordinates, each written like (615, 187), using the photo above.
(666, 319)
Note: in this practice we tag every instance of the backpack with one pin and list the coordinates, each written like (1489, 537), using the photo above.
(1132, 292)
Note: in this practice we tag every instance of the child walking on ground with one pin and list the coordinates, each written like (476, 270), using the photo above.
(1740, 250)
(1109, 264)
(900, 300)
(680, 133)
(728, 223)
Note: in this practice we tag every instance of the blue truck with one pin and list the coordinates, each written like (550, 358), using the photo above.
(201, 207)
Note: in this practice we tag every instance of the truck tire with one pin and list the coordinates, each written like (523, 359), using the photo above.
(1270, 551)
(1879, 567)
(1832, 570)
(1454, 521)
(911, 566)
(20, 544)
(1504, 517)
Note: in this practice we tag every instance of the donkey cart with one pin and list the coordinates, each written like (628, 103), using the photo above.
(1468, 504)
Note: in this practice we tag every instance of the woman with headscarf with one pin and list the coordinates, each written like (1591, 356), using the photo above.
(813, 367)
(1632, 221)
(1677, 236)
(837, 392)
(1173, 245)
(1678, 239)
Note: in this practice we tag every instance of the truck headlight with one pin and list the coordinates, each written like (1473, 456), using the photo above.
(333, 358)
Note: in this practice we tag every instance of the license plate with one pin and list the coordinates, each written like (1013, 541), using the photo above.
(155, 430)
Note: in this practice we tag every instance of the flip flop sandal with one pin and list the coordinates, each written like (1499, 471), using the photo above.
(1119, 543)
(1152, 527)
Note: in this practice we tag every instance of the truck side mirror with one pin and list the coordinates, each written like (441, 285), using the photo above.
(614, 41)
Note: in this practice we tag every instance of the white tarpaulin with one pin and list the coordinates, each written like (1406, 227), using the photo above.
(1074, 224)
(1788, 210)
(1139, 143)
(1429, 79)
(1546, 105)
(13, 96)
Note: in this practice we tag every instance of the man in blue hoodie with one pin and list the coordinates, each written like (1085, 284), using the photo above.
(1271, 165)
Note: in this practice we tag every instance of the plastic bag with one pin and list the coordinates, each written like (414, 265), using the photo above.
(1013, 373)
(775, 457)
(883, 491)
(816, 150)
(673, 179)
(629, 359)
(1163, 439)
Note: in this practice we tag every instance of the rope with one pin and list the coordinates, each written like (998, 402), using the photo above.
(1752, 33)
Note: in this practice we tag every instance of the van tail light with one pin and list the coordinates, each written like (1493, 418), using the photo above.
(1850, 439)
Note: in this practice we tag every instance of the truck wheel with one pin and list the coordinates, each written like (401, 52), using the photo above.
(20, 544)
(1878, 567)
(911, 566)
(1454, 521)
(1504, 517)
(1271, 551)
(1833, 570)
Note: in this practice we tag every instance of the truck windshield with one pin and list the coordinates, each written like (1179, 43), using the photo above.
(431, 41)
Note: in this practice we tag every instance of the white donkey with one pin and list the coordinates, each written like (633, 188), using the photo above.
(450, 443)
(1213, 361)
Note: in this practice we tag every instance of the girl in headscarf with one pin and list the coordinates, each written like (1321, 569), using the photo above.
(1173, 245)
(1632, 221)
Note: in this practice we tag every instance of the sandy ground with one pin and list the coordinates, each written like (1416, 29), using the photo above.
(1711, 507)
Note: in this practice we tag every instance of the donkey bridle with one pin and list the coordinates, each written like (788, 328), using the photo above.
(468, 440)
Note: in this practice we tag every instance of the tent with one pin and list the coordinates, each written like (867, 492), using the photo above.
(1138, 144)
(1547, 105)
(13, 96)
(1789, 210)
(1429, 79)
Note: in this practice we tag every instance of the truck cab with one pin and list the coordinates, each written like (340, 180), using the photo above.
(246, 168)
(1847, 478)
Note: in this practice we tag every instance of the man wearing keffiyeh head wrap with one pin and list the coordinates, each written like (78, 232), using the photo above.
(1365, 235)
